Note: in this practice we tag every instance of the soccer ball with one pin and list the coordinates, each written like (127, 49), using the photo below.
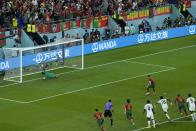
(148, 93)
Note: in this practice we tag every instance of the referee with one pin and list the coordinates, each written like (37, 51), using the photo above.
(108, 111)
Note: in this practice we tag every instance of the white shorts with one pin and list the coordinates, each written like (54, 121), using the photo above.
(150, 115)
(165, 109)
(192, 108)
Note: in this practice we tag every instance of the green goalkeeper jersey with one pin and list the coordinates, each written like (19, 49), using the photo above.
(49, 75)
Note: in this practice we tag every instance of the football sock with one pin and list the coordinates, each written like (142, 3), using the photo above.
(192, 115)
(111, 122)
(153, 123)
(148, 123)
(167, 116)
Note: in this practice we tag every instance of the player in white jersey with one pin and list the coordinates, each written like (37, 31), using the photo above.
(191, 106)
(164, 105)
(148, 108)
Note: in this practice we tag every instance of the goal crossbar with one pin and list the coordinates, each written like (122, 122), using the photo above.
(71, 56)
(46, 45)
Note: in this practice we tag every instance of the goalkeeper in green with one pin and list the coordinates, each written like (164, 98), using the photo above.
(47, 74)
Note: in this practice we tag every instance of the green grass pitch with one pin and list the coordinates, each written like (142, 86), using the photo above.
(67, 103)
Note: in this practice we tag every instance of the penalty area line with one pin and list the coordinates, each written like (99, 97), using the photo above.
(147, 64)
(164, 122)
(95, 86)
(83, 89)
(109, 63)
(11, 100)
(184, 121)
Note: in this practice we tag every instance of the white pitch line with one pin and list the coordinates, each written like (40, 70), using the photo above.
(91, 87)
(7, 85)
(155, 65)
(11, 100)
(71, 91)
(184, 121)
(161, 52)
(133, 58)
(109, 63)
(91, 67)
(161, 123)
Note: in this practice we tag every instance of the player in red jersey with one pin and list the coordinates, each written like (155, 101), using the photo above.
(128, 111)
(151, 84)
(99, 117)
(181, 104)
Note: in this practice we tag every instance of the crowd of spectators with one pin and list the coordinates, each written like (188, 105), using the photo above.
(130, 5)
(178, 22)
(26, 11)
(89, 36)
(93, 36)
(144, 27)
(128, 30)
(47, 10)
(35, 11)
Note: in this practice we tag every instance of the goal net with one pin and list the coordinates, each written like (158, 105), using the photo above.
(64, 53)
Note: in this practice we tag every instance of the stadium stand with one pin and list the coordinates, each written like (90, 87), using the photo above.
(44, 21)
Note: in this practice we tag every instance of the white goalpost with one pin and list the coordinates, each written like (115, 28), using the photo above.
(64, 53)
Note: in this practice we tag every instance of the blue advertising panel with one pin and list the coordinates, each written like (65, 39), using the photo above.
(139, 39)
(52, 55)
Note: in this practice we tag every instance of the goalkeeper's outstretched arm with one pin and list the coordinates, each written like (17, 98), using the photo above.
(50, 75)
(47, 74)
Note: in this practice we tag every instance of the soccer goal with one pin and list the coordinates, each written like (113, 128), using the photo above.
(64, 53)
